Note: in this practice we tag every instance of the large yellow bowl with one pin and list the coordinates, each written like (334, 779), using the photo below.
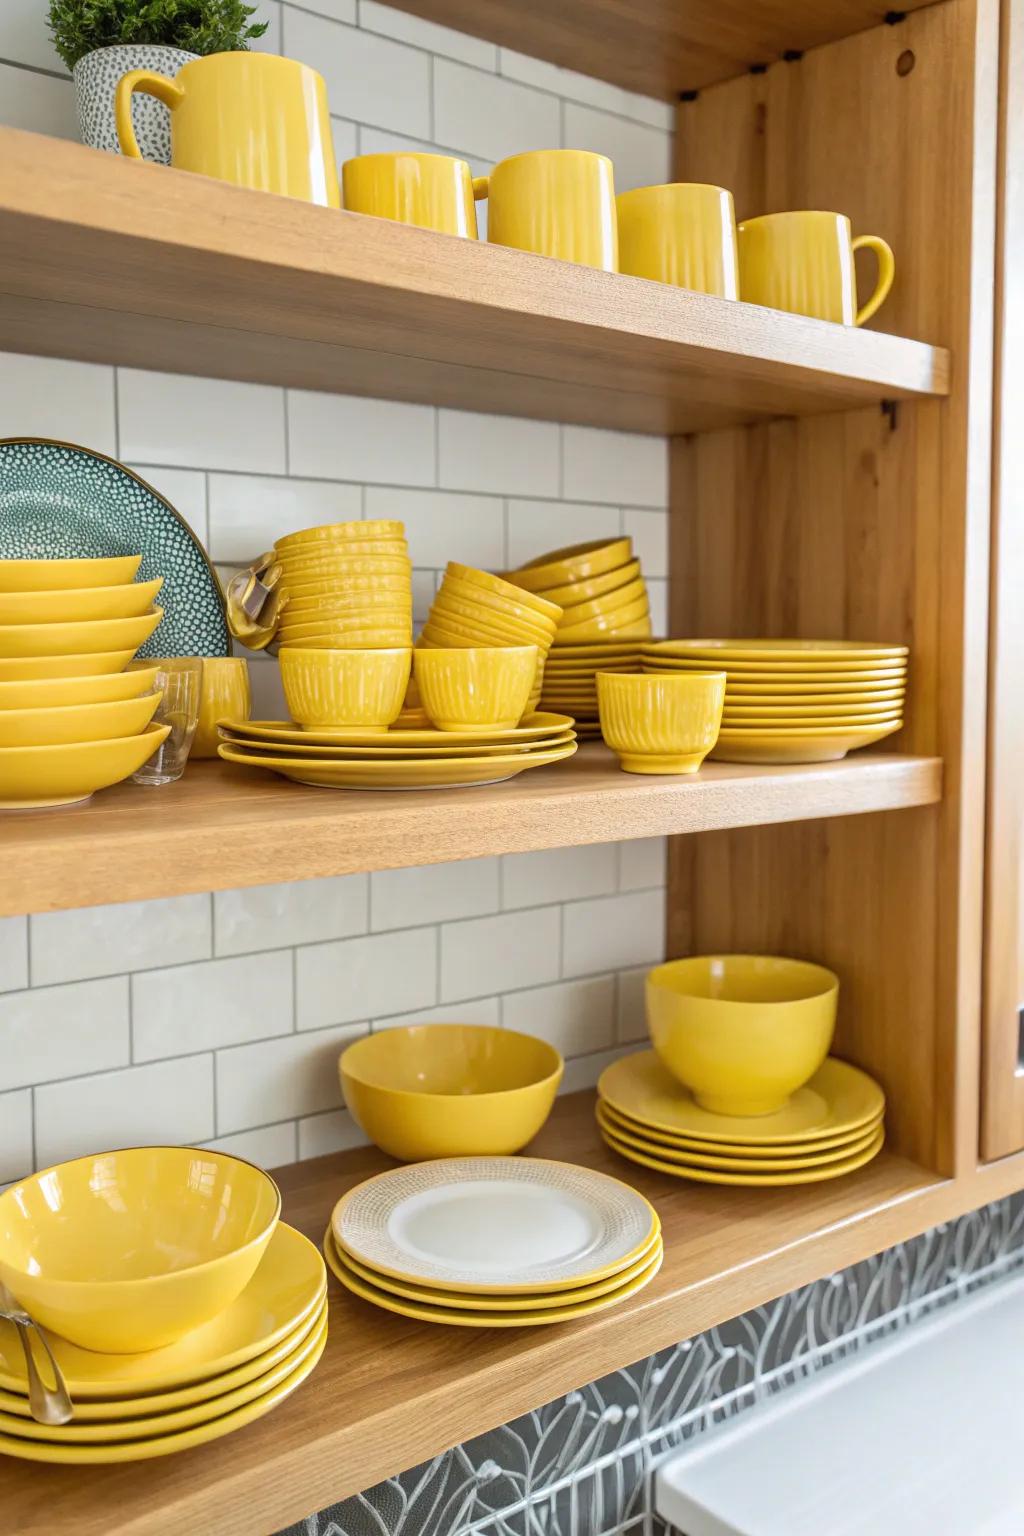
(627, 596)
(35, 776)
(512, 631)
(303, 605)
(52, 726)
(660, 724)
(742, 1032)
(466, 688)
(504, 588)
(128, 1251)
(58, 692)
(327, 534)
(18, 669)
(345, 690)
(450, 1090)
(122, 602)
(67, 575)
(575, 562)
(30, 640)
(606, 622)
(576, 592)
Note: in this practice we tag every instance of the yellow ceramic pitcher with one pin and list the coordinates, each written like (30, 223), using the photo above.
(683, 233)
(556, 202)
(803, 262)
(251, 118)
(432, 191)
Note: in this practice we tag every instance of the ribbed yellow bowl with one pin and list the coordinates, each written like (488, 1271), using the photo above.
(344, 690)
(660, 724)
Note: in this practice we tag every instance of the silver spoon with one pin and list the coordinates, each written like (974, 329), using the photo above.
(48, 1405)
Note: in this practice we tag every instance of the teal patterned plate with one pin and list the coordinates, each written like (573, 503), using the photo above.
(58, 501)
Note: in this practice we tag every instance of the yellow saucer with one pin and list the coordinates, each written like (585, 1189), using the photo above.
(783, 692)
(772, 724)
(839, 1097)
(286, 1288)
(456, 1317)
(794, 746)
(23, 641)
(373, 773)
(748, 1180)
(759, 1164)
(38, 776)
(339, 749)
(530, 728)
(666, 1140)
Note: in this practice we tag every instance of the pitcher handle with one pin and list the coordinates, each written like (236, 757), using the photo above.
(161, 86)
(886, 273)
(481, 187)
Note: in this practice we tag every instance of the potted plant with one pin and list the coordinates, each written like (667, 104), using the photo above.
(101, 40)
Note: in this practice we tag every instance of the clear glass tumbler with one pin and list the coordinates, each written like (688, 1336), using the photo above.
(179, 679)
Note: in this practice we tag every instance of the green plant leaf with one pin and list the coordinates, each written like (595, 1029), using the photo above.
(198, 26)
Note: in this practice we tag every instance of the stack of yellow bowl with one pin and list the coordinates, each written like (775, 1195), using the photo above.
(72, 720)
(795, 701)
(474, 608)
(345, 586)
(740, 1087)
(178, 1306)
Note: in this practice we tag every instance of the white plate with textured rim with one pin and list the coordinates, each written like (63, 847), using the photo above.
(494, 1224)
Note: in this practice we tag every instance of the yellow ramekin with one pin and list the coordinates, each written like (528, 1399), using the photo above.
(660, 724)
(341, 691)
(476, 687)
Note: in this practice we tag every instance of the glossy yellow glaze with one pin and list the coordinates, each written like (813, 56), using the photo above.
(575, 592)
(23, 641)
(58, 692)
(36, 668)
(342, 582)
(555, 202)
(761, 1160)
(469, 688)
(37, 776)
(250, 118)
(660, 724)
(127, 1251)
(339, 747)
(60, 725)
(630, 595)
(450, 1090)
(757, 1152)
(431, 191)
(803, 262)
(537, 728)
(683, 233)
(67, 575)
(224, 694)
(505, 603)
(345, 690)
(616, 622)
(505, 588)
(573, 562)
(121, 602)
(378, 774)
(741, 1032)
(814, 1175)
(506, 629)
(351, 535)
(775, 655)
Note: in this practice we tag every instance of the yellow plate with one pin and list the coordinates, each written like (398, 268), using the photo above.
(774, 651)
(60, 692)
(340, 749)
(796, 733)
(748, 1180)
(442, 773)
(468, 1302)
(37, 776)
(73, 723)
(32, 668)
(571, 593)
(533, 728)
(597, 651)
(576, 562)
(31, 640)
(839, 1098)
(456, 1317)
(67, 575)
(816, 693)
(795, 746)
(778, 706)
(770, 725)
(622, 1124)
(810, 1158)
(121, 602)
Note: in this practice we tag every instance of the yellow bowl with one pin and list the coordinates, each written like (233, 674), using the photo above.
(611, 624)
(497, 602)
(576, 592)
(24, 641)
(224, 694)
(58, 692)
(332, 624)
(742, 1032)
(342, 584)
(67, 575)
(345, 690)
(450, 1090)
(36, 776)
(302, 604)
(660, 724)
(504, 588)
(513, 631)
(368, 554)
(343, 533)
(123, 602)
(398, 639)
(128, 1251)
(465, 688)
(576, 562)
(76, 722)
(18, 669)
(627, 596)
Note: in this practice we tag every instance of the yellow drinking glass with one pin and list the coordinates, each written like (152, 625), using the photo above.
(683, 233)
(556, 202)
(431, 191)
(250, 118)
(803, 262)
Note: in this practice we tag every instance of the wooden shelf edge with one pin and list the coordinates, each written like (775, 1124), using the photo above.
(222, 828)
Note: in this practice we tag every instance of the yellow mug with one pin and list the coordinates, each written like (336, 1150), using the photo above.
(556, 202)
(250, 118)
(803, 262)
(431, 191)
(683, 233)
(224, 694)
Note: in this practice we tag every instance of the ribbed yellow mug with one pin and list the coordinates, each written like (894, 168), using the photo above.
(683, 233)
(556, 202)
(803, 262)
(431, 191)
(250, 118)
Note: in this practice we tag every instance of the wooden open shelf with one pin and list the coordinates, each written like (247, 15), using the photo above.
(203, 834)
(115, 261)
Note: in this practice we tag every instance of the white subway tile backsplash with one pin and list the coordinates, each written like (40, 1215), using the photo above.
(649, 532)
(613, 932)
(574, 1016)
(248, 512)
(268, 11)
(583, 1071)
(334, 10)
(15, 1135)
(346, 141)
(13, 953)
(129, 936)
(642, 156)
(480, 1010)
(38, 103)
(61, 1031)
(657, 592)
(267, 693)
(363, 978)
(537, 526)
(434, 893)
(355, 439)
(427, 35)
(221, 1002)
(333, 1131)
(557, 874)
(25, 37)
(170, 1101)
(630, 1013)
(491, 117)
(493, 954)
(443, 526)
(48, 397)
(369, 78)
(298, 912)
(498, 453)
(168, 418)
(642, 863)
(185, 489)
(620, 467)
(272, 1146)
(584, 88)
(274, 1079)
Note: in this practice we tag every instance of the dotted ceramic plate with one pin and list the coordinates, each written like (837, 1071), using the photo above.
(58, 501)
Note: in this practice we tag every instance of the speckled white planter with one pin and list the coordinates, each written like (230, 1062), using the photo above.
(96, 76)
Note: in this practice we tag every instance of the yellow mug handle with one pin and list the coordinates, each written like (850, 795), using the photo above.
(481, 187)
(886, 273)
(160, 86)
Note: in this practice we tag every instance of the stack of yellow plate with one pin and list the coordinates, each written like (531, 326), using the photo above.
(830, 1126)
(493, 1242)
(474, 608)
(72, 720)
(570, 677)
(345, 586)
(598, 586)
(795, 701)
(397, 759)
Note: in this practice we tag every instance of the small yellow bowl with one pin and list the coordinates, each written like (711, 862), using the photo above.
(67, 575)
(372, 559)
(576, 562)
(345, 690)
(128, 1251)
(343, 533)
(504, 588)
(122, 602)
(341, 583)
(76, 722)
(58, 692)
(660, 724)
(742, 1032)
(499, 603)
(627, 596)
(450, 1090)
(466, 688)
(301, 607)
(26, 641)
(224, 694)
(605, 623)
(576, 592)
